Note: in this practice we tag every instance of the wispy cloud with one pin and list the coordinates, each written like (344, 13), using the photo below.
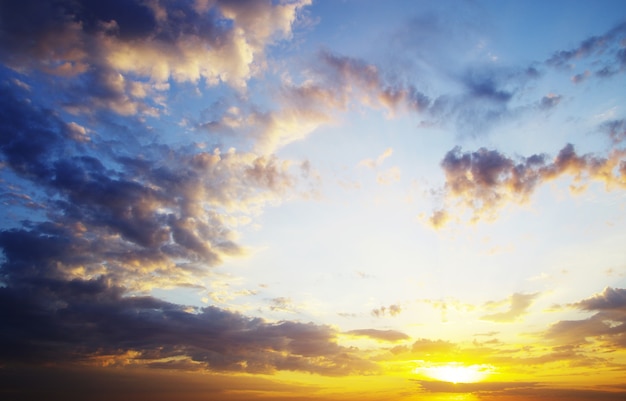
(517, 304)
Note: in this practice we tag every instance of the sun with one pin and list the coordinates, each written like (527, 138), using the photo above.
(456, 372)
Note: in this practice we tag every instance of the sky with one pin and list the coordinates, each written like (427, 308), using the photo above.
(312, 200)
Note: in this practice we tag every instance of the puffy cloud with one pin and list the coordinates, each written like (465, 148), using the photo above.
(163, 214)
(115, 227)
(486, 180)
(518, 306)
(115, 45)
(609, 299)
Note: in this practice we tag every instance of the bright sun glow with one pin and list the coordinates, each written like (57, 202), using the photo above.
(455, 372)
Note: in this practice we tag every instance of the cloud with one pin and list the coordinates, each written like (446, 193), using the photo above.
(162, 213)
(518, 306)
(282, 304)
(578, 78)
(608, 325)
(487, 387)
(609, 299)
(603, 49)
(389, 176)
(115, 47)
(74, 277)
(88, 320)
(391, 310)
(485, 180)
(616, 129)
(550, 101)
(520, 390)
(364, 81)
(299, 111)
(381, 335)
(431, 347)
(373, 163)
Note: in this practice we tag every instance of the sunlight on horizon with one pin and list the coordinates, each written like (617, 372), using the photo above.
(456, 372)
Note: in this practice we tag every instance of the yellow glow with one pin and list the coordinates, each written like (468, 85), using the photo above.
(455, 372)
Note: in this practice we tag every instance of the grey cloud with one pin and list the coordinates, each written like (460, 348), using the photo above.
(616, 129)
(425, 346)
(578, 78)
(281, 304)
(112, 47)
(120, 212)
(391, 310)
(609, 299)
(485, 180)
(550, 101)
(74, 321)
(115, 226)
(607, 325)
